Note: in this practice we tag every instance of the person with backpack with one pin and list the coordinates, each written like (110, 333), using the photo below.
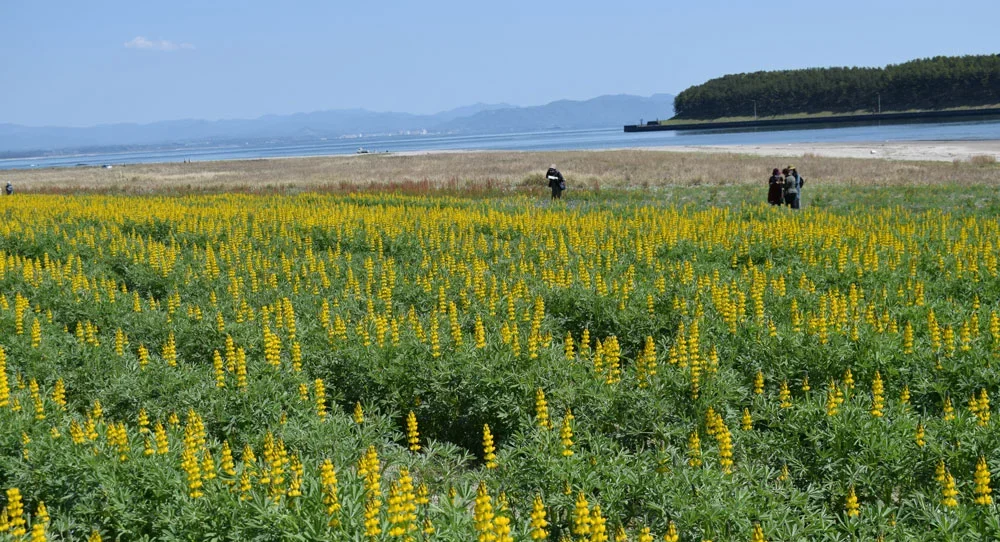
(556, 181)
(776, 185)
(9, 189)
(793, 188)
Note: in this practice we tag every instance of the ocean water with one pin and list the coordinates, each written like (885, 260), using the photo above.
(610, 138)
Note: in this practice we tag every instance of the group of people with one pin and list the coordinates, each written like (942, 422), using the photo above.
(785, 187)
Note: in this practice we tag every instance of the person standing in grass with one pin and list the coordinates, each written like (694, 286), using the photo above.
(9, 189)
(556, 181)
(793, 188)
(775, 186)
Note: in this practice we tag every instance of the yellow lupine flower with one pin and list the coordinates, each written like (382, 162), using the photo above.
(982, 488)
(489, 455)
(851, 505)
(538, 520)
(412, 434)
(566, 434)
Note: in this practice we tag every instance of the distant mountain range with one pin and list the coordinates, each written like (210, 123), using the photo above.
(602, 112)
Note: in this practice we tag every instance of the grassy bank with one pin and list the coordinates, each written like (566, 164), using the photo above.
(491, 172)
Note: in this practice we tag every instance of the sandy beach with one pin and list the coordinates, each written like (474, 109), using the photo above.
(898, 163)
(937, 151)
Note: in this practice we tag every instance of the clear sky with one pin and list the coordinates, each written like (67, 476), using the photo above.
(78, 63)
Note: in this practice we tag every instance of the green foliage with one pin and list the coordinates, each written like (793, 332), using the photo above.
(933, 83)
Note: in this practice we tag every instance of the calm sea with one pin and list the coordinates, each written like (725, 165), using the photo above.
(535, 141)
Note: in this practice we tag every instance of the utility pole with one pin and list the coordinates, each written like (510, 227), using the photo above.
(754, 109)
(879, 102)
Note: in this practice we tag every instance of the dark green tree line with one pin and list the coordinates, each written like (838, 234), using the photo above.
(932, 83)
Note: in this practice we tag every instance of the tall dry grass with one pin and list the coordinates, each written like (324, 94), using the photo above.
(489, 172)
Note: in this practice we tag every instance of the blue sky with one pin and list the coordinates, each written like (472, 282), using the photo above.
(72, 63)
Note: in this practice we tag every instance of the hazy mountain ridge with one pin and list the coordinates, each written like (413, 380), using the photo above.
(603, 111)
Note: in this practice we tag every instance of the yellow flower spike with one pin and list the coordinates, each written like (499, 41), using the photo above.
(319, 391)
(542, 410)
(328, 481)
(4, 383)
(412, 434)
(758, 383)
(489, 455)
(207, 466)
(42, 513)
(694, 450)
(219, 369)
(851, 506)
(483, 515)
(785, 395)
(402, 508)
(949, 410)
(95, 536)
(36, 333)
(373, 526)
(908, 339)
(919, 436)
(724, 440)
(566, 434)
(982, 488)
(948, 491)
(671, 535)
(746, 422)
(480, 332)
(581, 516)
(169, 351)
(983, 408)
(598, 525)
(878, 398)
(36, 398)
(359, 414)
(241, 368)
(538, 520)
(143, 356)
(645, 535)
(15, 513)
(848, 379)
(38, 532)
(423, 495)
(939, 471)
(758, 534)
(227, 465)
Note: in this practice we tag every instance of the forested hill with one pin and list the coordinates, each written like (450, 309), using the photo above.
(933, 83)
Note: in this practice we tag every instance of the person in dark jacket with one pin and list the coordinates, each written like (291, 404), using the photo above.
(786, 196)
(556, 181)
(793, 188)
(9, 189)
(776, 185)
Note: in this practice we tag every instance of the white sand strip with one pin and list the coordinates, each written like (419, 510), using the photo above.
(938, 151)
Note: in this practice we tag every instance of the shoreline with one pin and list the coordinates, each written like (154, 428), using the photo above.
(916, 151)
(888, 163)
(911, 151)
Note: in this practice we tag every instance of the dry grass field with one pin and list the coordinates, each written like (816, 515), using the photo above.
(489, 172)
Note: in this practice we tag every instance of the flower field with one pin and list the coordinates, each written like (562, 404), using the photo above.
(379, 367)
